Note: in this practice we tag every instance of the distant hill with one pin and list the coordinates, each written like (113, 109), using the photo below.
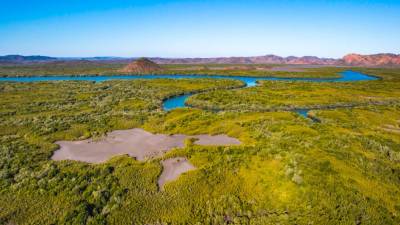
(383, 60)
(20, 58)
(386, 60)
(141, 66)
(96, 58)
(267, 59)
(372, 60)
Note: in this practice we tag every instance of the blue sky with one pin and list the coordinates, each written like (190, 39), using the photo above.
(198, 28)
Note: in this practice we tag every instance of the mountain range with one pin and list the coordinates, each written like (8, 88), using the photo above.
(21, 58)
(267, 59)
(387, 60)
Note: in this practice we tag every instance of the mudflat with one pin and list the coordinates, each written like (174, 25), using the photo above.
(209, 140)
(172, 169)
(136, 143)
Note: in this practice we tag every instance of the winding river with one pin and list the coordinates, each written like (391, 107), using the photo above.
(179, 101)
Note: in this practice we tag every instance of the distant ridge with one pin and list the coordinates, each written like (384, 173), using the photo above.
(267, 59)
(141, 66)
(372, 60)
(385, 60)
(20, 58)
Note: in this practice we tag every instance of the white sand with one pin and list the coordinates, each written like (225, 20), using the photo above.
(136, 143)
(172, 169)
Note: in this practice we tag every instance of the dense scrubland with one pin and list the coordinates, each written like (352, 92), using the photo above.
(59, 68)
(289, 169)
(82, 68)
(292, 95)
(254, 70)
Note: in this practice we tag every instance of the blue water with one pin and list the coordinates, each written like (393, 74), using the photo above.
(303, 112)
(175, 102)
(179, 101)
(250, 81)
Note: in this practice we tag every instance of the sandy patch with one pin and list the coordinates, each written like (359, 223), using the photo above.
(172, 169)
(136, 143)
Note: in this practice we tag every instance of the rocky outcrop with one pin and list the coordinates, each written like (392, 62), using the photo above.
(372, 60)
(142, 66)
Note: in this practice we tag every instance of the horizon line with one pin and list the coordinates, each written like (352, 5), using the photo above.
(199, 57)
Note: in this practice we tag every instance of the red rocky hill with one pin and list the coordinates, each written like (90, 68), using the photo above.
(372, 60)
(141, 66)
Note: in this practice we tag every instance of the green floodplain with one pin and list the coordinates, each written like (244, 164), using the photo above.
(344, 169)
(79, 68)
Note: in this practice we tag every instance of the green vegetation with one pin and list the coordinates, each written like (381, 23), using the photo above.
(289, 170)
(253, 70)
(278, 95)
(82, 68)
(388, 74)
(85, 68)
(59, 69)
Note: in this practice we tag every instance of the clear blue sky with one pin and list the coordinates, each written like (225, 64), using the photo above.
(198, 28)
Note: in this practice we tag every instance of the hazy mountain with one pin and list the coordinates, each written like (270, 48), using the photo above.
(96, 58)
(20, 58)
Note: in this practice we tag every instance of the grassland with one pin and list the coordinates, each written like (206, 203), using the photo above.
(289, 170)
